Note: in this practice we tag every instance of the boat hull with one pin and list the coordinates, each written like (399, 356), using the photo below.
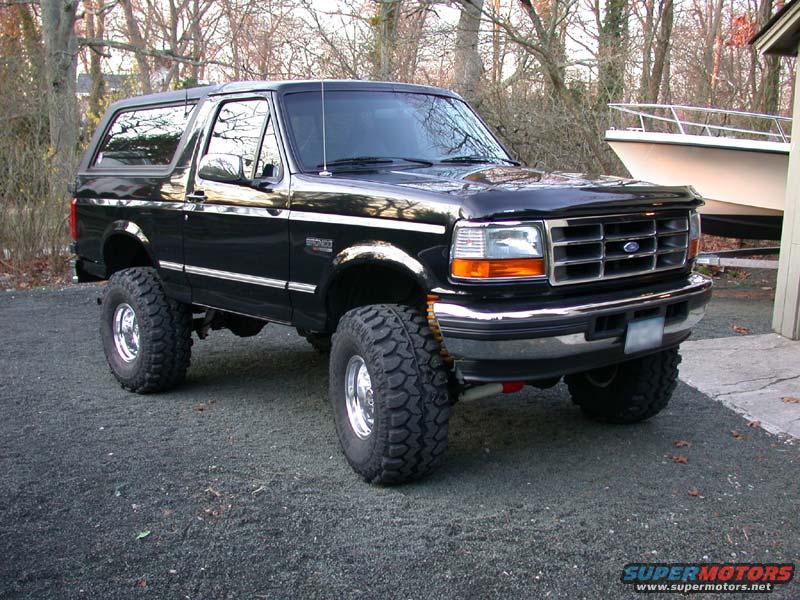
(743, 183)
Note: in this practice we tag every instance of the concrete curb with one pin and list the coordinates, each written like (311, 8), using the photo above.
(750, 374)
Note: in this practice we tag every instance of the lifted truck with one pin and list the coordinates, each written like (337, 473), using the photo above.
(392, 228)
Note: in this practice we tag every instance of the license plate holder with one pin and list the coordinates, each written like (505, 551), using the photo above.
(646, 334)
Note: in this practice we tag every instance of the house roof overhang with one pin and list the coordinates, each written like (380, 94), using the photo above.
(780, 36)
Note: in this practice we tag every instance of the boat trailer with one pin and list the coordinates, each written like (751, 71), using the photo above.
(737, 258)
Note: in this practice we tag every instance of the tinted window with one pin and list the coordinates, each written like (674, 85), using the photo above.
(386, 124)
(144, 137)
(269, 159)
(237, 130)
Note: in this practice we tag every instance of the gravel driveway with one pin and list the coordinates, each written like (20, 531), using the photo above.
(238, 479)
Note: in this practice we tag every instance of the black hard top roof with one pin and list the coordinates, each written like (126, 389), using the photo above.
(236, 87)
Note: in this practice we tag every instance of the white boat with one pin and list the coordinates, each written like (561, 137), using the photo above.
(737, 161)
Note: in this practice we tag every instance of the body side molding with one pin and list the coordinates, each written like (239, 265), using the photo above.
(366, 222)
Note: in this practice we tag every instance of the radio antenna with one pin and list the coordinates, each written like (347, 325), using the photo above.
(324, 172)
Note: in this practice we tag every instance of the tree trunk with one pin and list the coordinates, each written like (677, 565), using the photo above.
(711, 54)
(771, 78)
(648, 33)
(468, 63)
(31, 40)
(388, 17)
(197, 45)
(61, 52)
(661, 57)
(612, 53)
(95, 27)
(135, 38)
(497, 61)
(413, 28)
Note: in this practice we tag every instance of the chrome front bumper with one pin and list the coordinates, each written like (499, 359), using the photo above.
(498, 341)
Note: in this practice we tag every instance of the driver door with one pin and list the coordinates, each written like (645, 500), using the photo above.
(236, 235)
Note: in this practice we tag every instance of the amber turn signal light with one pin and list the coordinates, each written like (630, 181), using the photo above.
(694, 248)
(497, 268)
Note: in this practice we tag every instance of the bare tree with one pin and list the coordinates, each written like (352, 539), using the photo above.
(711, 51)
(660, 72)
(135, 38)
(769, 88)
(468, 62)
(386, 37)
(612, 52)
(61, 50)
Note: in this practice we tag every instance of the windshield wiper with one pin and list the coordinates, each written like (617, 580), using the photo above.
(375, 160)
(472, 158)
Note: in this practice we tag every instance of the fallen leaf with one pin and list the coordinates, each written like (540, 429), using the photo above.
(791, 399)
(199, 407)
(741, 329)
(680, 459)
(737, 436)
(143, 534)
(142, 583)
(682, 444)
(754, 424)
(694, 493)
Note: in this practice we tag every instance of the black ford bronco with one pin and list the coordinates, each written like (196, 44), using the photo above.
(392, 228)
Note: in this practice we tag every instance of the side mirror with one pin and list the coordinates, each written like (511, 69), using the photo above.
(224, 168)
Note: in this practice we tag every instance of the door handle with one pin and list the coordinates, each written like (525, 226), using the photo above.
(264, 186)
(197, 196)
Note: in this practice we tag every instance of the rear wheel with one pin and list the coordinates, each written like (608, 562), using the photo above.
(146, 335)
(388, 388)
(627, 392)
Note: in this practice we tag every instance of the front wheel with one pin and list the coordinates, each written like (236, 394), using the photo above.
(146, 335)
(628, 392)
(388, 388)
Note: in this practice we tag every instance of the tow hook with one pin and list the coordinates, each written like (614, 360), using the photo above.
(491, 389)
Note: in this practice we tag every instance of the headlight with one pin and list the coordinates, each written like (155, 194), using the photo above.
(694, 234)
(497, 251)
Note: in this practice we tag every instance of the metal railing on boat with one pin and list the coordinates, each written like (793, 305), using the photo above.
(776, 128)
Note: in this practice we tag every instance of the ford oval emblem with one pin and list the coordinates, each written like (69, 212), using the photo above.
(631, 247)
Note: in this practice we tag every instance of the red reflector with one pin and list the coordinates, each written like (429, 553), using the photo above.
(513, 386)
(73, 219)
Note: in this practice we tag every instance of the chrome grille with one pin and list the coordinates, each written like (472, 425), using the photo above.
(600, 248)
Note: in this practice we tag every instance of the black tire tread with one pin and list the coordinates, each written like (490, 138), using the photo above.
(642, 389)
(167, 325)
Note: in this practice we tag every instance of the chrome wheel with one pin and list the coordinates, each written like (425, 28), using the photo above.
(359, 397)
(126, 332)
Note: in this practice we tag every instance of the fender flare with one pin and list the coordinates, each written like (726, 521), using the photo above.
(381, 254)
(128, 229)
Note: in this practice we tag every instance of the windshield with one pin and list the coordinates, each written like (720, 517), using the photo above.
(363, 127)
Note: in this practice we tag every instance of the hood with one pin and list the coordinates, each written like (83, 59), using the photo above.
(519, 192)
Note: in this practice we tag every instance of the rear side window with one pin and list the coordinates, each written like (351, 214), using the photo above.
(144, 137)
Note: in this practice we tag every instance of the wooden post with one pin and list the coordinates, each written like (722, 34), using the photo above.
(786, 312)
